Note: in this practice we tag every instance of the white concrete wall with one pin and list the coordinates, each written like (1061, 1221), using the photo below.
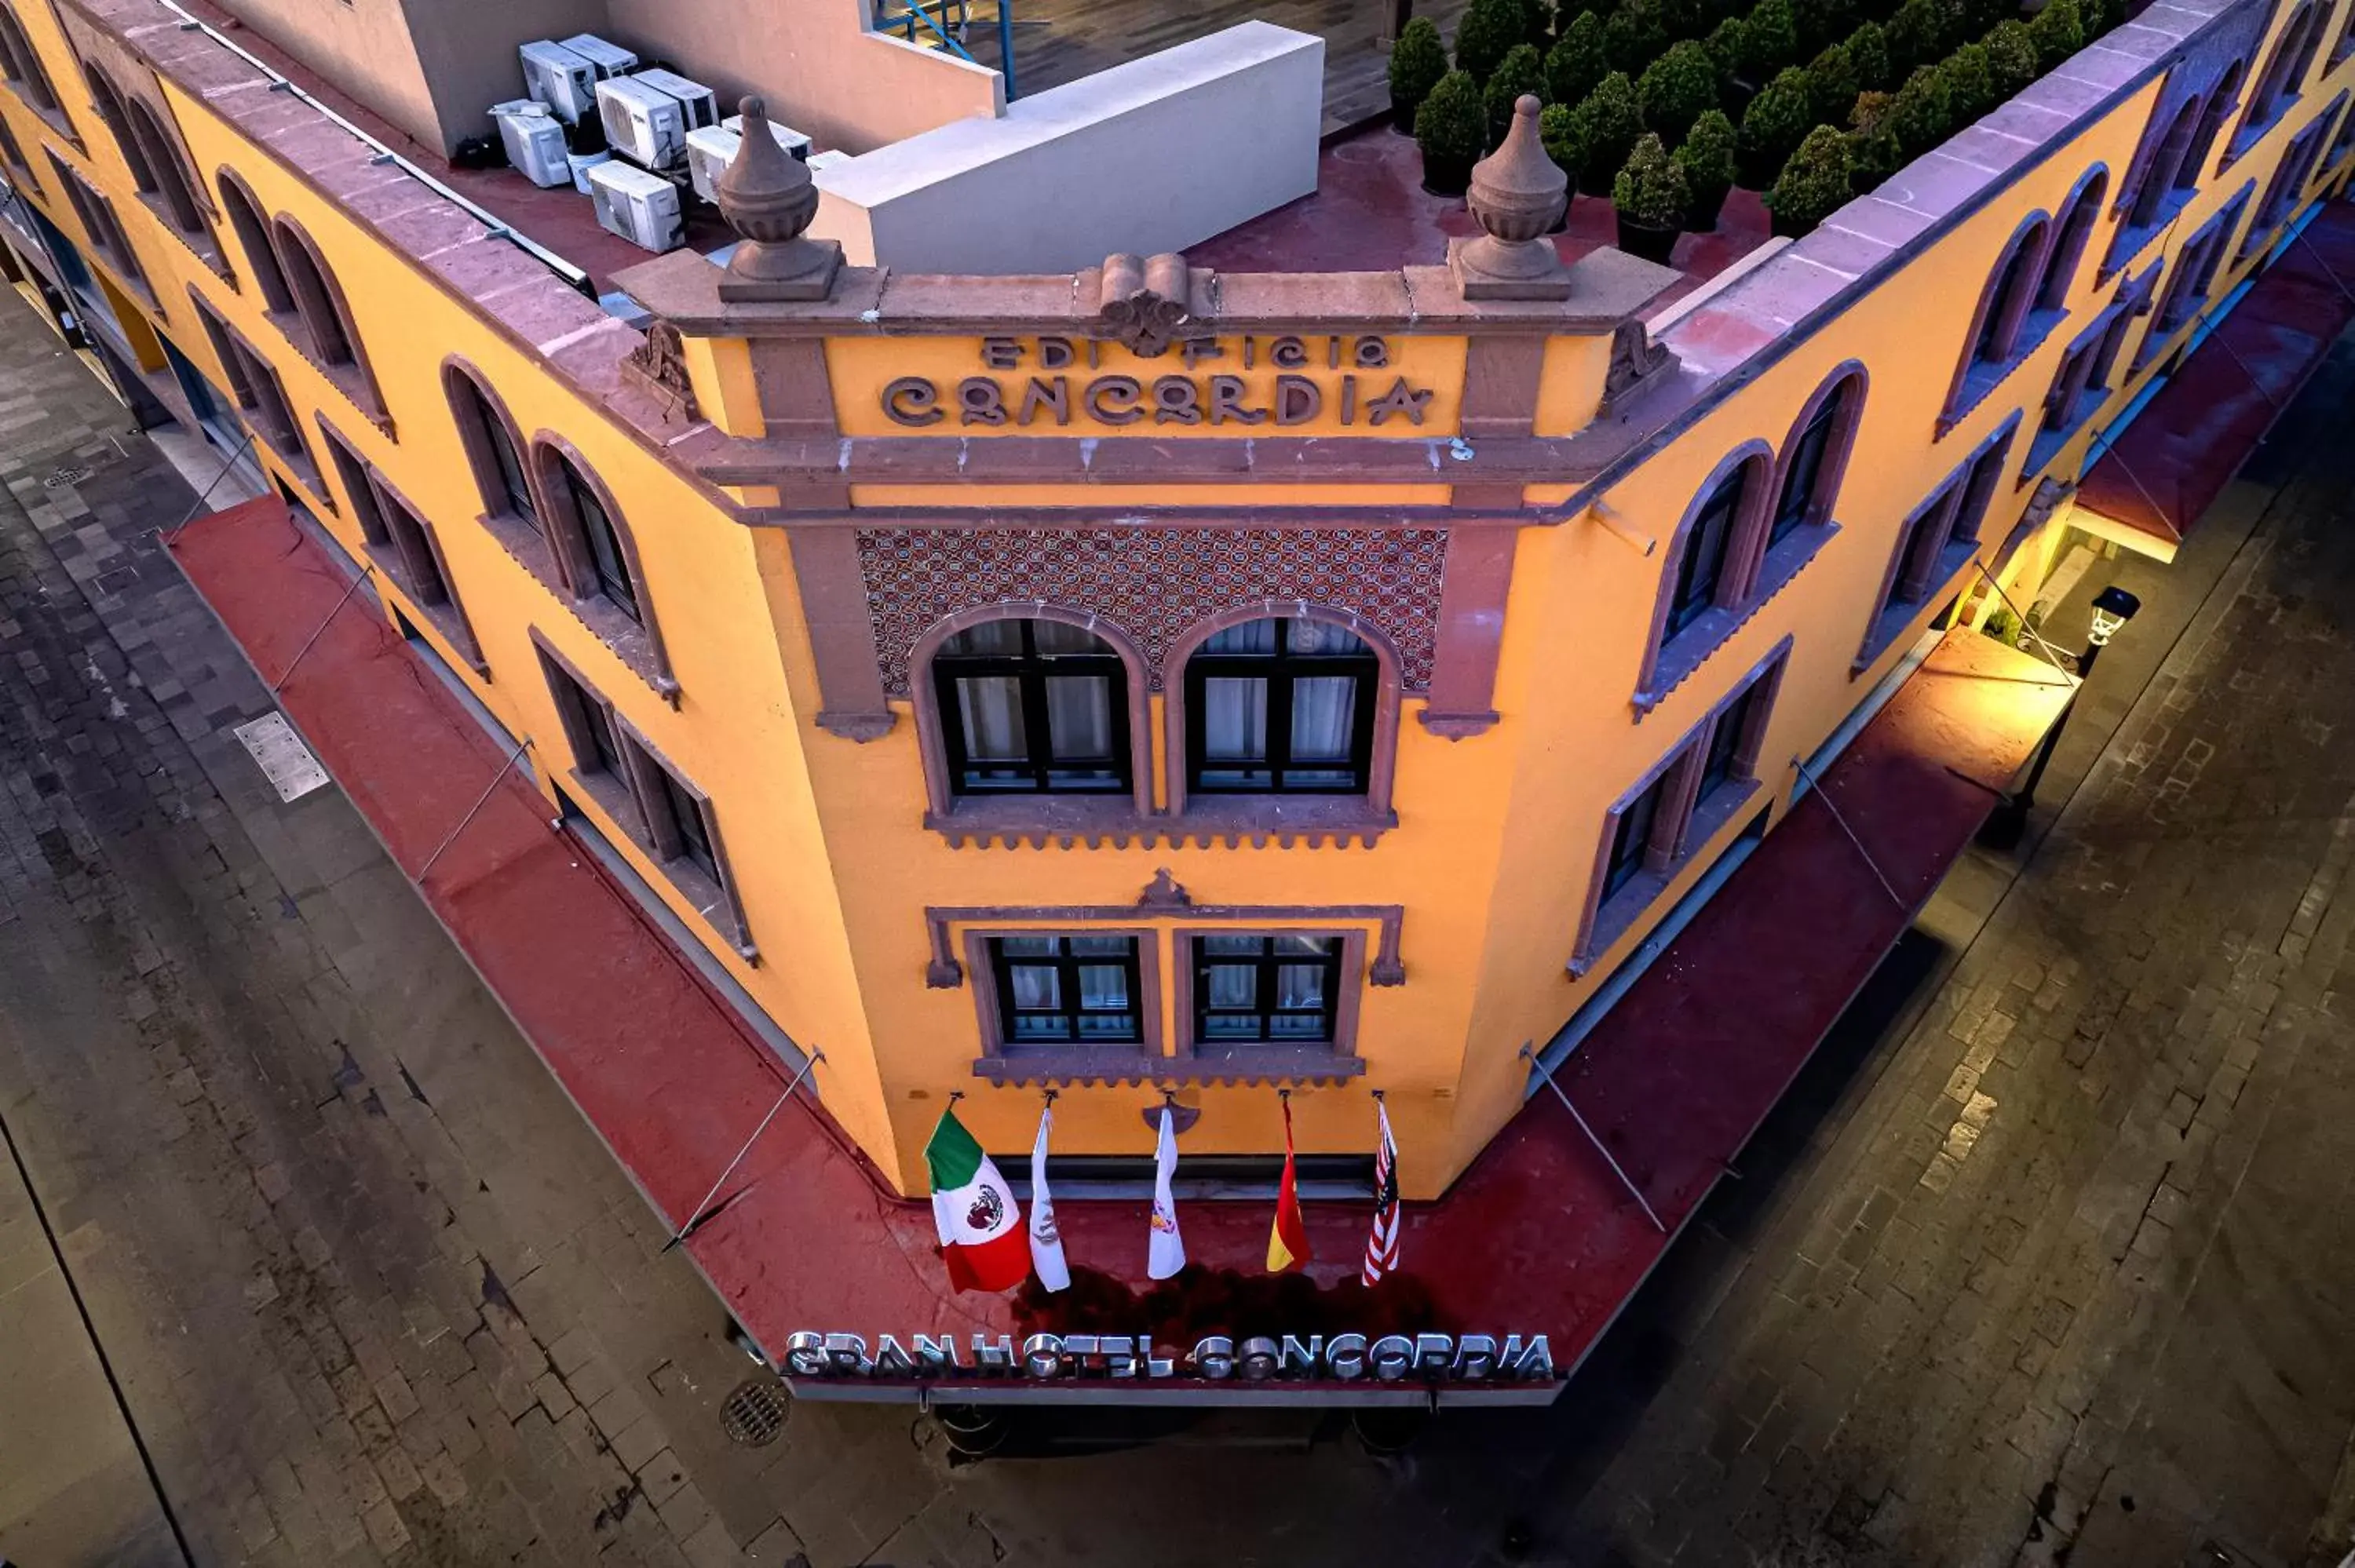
(1151, 156)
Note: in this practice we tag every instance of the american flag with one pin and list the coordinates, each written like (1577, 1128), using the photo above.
(1382, 1244)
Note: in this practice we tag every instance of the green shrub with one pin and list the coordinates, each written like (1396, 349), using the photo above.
(1821, 22)
(1537, 23)
(1772, 126)
(1868, 55)
(1725, 48)
(1677, 89)
(1633, 37)
(1912, 35)
(1813, 185)
(2095, 18)
(1558, 133)
(1575, 63)
(1872, 153)
(2002, 624)
(1518, 72)
(1770, 39)
(1650, 188)
(2058, 33)
(1486, 33)
(1919, 117)
(1609, 122)
(1969, 78)
(1451, 127)
(1707, 159)
(1417, 62)
(2011, 56)
(1832, 85)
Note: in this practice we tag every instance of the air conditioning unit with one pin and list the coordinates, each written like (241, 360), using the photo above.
(709, 153)
(535, 143)
(610, 60)
(643, 208)
(642, 124)
(791, 140)
(581, 163)
(701, 104)
(561, 79)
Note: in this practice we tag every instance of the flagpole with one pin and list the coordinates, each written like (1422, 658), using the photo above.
(1624, 1180)
(703, 1210)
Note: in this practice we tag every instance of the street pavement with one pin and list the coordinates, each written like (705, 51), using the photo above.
(2049, 1258)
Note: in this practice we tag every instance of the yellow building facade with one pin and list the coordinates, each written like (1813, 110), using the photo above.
(1551, 593)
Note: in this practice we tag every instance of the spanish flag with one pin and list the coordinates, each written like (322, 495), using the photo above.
(1288, 1242)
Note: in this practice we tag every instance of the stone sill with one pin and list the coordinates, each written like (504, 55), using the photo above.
(1691, 648)
(1038, 822)
(1104, 1066)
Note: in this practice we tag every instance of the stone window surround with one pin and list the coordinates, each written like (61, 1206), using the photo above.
(2079, 212)
(2288, 187)
(158, 164)
(956, 937)
(2080, 386)
(29, 75)
(241, 361)
(251, 225)
(628, 801)
(318, 301)
(108, 238)
(392, 550)
(2025, 323)
(1039, 818)
(2157, 169)
(637, 640)
(2196, 260)
(2284, 80)
(1754, 572)
(1683, 821)
(1956, 509)
(14, 150)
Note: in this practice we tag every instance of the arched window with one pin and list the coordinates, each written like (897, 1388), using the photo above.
(109, 104)
(2220, 104)
(1283, 705)
(603, 561)
(1706, 567)
(2285, 69)
(493, 451)
(253, 237)
(317, 299)
(23, 66)
(1031, 707)
(1814, 457)
(2158, 176)
(2077, 216)
(155, 145)
(2004, 306)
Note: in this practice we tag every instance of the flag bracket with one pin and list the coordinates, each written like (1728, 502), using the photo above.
(1600, 1148)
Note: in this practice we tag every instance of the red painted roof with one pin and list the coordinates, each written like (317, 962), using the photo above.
(1537, 1236)
(2183, 448)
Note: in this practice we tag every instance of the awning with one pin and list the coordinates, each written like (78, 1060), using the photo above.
(1538, 1237)
(2167, 467)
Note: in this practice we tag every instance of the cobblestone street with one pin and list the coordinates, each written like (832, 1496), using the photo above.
(305, 1259)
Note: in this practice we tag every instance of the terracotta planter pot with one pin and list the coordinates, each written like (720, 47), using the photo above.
(1652, 242)
(1447, 176)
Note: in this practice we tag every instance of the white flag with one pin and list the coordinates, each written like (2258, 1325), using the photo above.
(1167, 1254)
(1046, 1241)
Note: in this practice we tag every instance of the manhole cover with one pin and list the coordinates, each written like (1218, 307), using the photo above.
(753, 1415)
(65, 476)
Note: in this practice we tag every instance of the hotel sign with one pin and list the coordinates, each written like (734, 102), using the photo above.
(1041, 1357)
(1300, 384)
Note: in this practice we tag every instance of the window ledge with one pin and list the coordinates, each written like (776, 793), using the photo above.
(1981, 381)
(1898, 617)
(706, 898)
(1691, 649)
(444, 618)
(1066, 821)
(2131, 240)
(628, 639)
(1620, 913)
(1256, 1064)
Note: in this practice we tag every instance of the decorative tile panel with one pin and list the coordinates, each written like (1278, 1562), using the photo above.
(1153, 584)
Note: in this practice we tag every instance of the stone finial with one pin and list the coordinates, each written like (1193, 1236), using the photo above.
(768, 198)
(1517, 193)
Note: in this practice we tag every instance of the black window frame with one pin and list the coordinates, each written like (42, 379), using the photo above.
(1280, 670)
(1031, 670)
(1067, 965)
(1725, 739)
(1631, 836)
(600, 541)
(1268, 964)
(1694, 594)
(1803, 473)
(689, 832)
(507, 458)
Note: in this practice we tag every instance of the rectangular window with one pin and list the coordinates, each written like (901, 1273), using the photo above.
(98, 221)
(353, 471)
(1068, 990)
(1281, 990)
(1725, 742)
(682, 817)
(1631, 836)
(14, 150)
(588, 722)
(1704, 565)
(420, 561)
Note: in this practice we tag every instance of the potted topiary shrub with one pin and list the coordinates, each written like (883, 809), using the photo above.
(1676, 90)
(1822, 22)
(1831, 85)
(1452, 129)
(1868, 55)
(1970, 78)
(1770, 40)
(1522, 70)
(1812, 185)
(1652, 201)
(1634, 35)
(1417, 62)
(2058, 32)
(1608, 124)
(1872, 154)
(1558, 134)
(1913, 35)
(2011, 56)
(1771, 128)
(1918, 115)
(1486, 33)
(1575, 62)
(1537, 23)
(1707, 159)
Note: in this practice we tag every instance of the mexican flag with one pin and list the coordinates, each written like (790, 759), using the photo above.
(982, 1238)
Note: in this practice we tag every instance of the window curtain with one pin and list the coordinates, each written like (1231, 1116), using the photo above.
(1235, 719)
(991, 709)
(1323, 715)
(1078, 717)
